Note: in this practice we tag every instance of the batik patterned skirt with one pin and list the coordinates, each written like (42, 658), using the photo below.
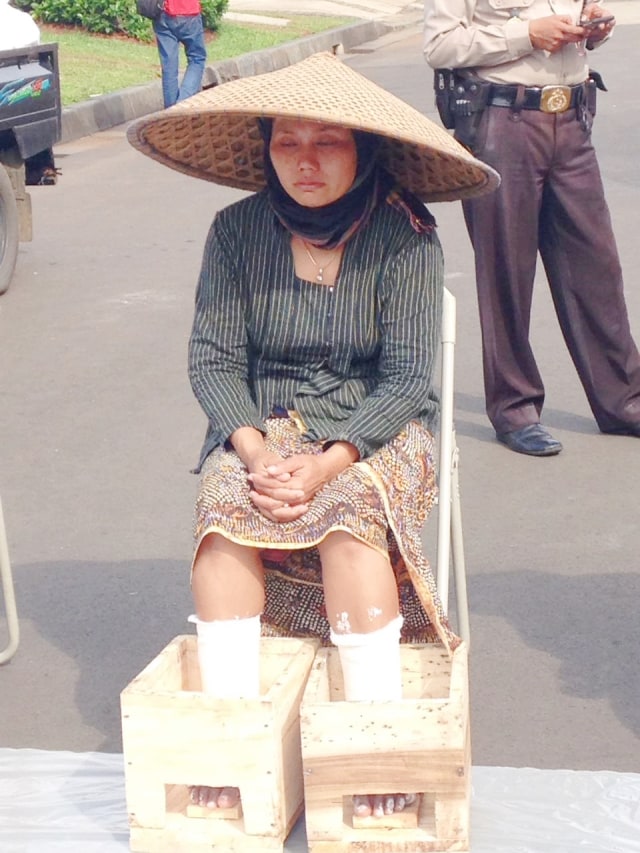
(382, 501)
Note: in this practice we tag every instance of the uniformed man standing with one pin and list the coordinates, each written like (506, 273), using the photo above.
(526, 102)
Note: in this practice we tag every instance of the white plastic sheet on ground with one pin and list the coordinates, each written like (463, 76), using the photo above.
(52, 802)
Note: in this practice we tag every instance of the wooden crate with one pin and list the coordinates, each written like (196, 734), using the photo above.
(417, 745)
(174, 737)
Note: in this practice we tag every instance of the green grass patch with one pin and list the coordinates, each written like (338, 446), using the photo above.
(92, 65)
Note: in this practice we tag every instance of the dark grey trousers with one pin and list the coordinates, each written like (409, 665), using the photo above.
(551, 200)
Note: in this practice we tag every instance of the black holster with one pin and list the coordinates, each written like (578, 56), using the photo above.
(586, 110)
(461, 97)
(594, 82)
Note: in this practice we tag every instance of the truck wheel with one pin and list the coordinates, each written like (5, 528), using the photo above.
(9, 234)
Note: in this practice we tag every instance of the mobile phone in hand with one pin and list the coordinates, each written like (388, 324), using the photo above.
(595, 21)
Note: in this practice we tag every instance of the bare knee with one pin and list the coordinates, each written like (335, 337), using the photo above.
(344, 547)
(227, 580)
(361, 593)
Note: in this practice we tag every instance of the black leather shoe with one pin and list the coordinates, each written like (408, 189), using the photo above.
(632, 429)
(534, 440)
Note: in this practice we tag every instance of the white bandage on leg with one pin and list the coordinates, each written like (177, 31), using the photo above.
(229, 657)
(371, 663)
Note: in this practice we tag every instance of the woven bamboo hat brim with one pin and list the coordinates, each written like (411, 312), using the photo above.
(215, 135)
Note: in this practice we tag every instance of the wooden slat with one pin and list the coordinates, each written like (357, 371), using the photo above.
(205, 813)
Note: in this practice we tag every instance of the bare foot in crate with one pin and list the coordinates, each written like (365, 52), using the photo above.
(215, 798)
(380, 805)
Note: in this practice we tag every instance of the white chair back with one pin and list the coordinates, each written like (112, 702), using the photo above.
(450, 546)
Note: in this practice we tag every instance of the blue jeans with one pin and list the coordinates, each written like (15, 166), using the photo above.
(172, 31)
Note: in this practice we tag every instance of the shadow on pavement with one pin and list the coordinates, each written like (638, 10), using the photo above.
(110, 619)
(588, 623)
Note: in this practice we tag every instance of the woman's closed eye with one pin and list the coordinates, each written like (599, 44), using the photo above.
(289, 143)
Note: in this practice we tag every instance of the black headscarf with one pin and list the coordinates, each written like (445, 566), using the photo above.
(333, 224)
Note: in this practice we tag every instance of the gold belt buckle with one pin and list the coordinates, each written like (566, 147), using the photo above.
(555, 99)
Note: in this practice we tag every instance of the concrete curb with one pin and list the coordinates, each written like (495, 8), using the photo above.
(107, 111)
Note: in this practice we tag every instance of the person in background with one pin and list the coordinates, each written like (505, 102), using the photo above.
(17, 28)
(312, 354)
(180, 23)
(523, 72)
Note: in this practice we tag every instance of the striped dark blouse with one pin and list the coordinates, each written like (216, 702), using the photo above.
(355, 361)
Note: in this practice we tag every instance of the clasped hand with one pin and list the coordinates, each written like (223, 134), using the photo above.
(282, 488)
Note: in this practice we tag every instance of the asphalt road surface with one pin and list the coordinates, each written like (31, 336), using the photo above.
(99, 430)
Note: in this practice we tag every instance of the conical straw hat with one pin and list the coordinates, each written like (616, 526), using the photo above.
(215, 135)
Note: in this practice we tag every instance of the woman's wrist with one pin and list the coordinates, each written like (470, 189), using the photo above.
(248, 443)
(338, 456)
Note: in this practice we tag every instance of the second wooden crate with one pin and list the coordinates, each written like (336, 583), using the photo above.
(419, 745)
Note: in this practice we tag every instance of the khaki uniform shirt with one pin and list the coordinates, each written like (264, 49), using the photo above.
(492, 36)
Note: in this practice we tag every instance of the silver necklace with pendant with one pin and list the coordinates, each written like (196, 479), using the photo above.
(320, 269)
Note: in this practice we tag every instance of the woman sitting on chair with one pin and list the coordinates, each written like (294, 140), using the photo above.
(312, 353)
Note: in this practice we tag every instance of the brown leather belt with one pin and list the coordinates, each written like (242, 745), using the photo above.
(548, 99)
